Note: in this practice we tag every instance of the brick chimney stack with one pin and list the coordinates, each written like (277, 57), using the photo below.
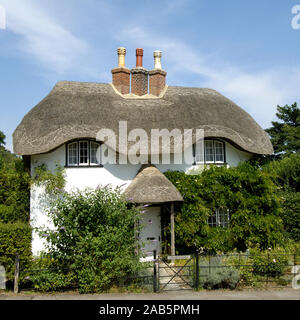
(157, 76)
(121, 74)
(139, 76)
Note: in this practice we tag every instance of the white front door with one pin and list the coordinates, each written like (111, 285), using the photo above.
(150, 234)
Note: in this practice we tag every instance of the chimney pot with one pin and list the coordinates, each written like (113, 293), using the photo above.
(157, 59)
(121, 74)
(121, 56)
(157, 76)
(139, 52)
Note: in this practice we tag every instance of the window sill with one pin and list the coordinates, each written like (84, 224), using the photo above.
(211, 163)
(87, 166)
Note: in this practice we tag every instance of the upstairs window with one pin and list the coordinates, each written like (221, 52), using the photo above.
(214, 152)
(219, 218)
(83, 153)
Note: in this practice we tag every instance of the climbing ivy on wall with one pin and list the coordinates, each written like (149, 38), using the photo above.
(54, 182)
(247, 192)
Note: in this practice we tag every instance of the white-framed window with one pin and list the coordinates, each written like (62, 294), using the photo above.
(220, 217)
(95, 153)
(83, 153)
(73, 154)
(219, 151)
(214, 152)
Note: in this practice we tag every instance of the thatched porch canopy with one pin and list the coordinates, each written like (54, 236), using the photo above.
(151, 186)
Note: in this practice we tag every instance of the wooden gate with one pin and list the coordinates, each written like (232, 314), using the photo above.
(175, 273)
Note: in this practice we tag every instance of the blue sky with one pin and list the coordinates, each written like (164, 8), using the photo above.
(246, 50)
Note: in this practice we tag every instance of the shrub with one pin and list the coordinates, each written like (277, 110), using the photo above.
(14, 192)
(45, 275)
(15, 238)
(224, 277)
(291, 214)
(52, 280)
(94, 236)
(272, 263)
(244, 264)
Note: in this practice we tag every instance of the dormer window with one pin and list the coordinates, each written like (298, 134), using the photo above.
(214, 152)
(83, 153)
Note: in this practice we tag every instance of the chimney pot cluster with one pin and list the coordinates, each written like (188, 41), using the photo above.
(139, 75)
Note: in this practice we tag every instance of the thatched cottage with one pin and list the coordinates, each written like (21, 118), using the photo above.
(63, 129)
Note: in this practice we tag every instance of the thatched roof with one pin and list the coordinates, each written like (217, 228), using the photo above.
(151, 186)
(78, 110)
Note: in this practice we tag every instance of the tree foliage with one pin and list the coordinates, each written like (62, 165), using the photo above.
(248, 193)
(94, 236)
(14, 238)
(285, 134)
(14, 190)
(286, 174)
(2, 139)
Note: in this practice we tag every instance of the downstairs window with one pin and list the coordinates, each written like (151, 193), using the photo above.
(219, 218)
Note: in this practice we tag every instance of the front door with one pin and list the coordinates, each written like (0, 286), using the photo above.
(150, 233)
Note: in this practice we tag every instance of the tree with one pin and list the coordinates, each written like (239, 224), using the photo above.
(285, 135)
(15, 231)
(286, 174)
(15, 184)
(2, 138)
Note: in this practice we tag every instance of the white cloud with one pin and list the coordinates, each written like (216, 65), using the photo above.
(41, 36)
(257, 92)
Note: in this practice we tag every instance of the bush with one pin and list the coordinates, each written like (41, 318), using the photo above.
(45, 275)
(94, 236)
(291, 214)
(15, 238)
(272, 263)
(14, 192)
(243, 263)
(221, 278)
(47, 280)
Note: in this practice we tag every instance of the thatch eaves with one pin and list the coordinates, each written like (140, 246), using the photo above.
(75, 110)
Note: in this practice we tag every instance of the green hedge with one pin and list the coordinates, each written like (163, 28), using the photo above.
(15, 238)
(14, 191)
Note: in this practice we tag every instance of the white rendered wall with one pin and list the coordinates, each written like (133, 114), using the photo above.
(89, 177)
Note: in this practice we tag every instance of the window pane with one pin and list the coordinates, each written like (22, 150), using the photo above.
(219, 151)
(199, 151)
(95, 153)
(219, 218)
(223, 217)
(212, 220)
(83, 152)
(72, 154)
(209, 151)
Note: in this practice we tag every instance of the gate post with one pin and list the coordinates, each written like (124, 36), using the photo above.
(154, 272)
(17, 271)
(197, 271)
